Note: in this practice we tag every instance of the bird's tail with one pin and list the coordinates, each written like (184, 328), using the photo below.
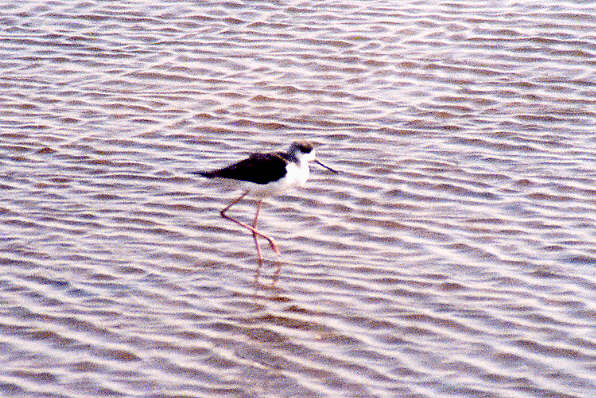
(208, 174)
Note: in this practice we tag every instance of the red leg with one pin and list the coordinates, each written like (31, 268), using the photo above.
(254, 236)
(253, 230)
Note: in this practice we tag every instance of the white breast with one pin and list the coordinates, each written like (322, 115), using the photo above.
(297, 174)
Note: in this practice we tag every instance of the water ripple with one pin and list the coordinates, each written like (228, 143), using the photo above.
(452, 255)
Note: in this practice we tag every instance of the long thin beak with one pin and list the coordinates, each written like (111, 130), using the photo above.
(327, 167)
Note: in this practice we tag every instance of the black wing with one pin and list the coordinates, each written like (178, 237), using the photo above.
(260, 168)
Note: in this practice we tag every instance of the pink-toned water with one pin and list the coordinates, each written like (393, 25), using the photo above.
(454, 255)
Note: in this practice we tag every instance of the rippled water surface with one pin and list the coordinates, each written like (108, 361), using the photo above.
(454, 255)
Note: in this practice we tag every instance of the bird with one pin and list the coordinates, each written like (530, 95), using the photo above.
(264, 175)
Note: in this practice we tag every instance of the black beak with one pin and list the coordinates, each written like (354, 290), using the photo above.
(327, 167)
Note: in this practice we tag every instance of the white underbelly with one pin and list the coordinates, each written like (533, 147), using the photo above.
(295, 177)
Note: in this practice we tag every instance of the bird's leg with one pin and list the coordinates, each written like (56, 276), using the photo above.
(253, 230)
(254, 236)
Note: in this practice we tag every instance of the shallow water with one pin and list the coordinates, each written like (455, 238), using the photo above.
(453, 255)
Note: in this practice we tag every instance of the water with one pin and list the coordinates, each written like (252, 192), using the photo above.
(453, 256)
